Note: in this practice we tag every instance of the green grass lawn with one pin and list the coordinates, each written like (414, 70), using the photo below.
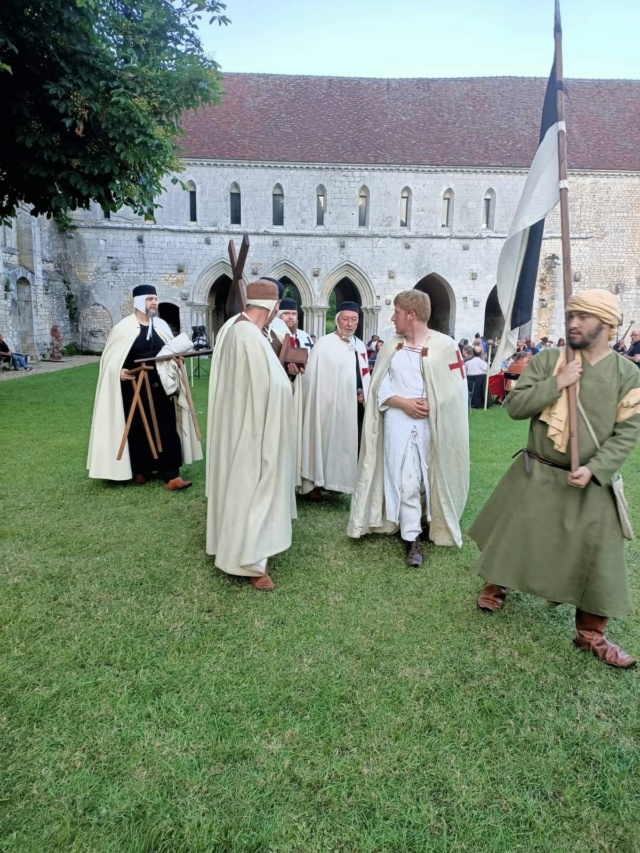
(150, 703)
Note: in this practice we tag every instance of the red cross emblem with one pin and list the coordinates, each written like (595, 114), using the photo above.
(458, 365)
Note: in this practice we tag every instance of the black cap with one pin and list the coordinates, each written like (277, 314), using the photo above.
(288, 304)
(348, 306)
(275, 281)
(144, 290)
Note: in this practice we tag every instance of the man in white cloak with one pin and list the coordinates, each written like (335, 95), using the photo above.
(288, 313)
(140, 335)
(414, 460)
(250, 491)
(335, 386)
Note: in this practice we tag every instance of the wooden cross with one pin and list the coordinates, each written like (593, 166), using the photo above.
(458, 365)
(236, 301)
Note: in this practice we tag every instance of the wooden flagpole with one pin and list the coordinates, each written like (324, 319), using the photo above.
(565, 230)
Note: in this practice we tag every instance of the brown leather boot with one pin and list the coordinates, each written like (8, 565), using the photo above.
(590, 637)
(414, 554)
(177, 483)
(492, 597)
(264, 582)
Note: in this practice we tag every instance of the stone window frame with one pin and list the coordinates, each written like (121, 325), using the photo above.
(406, 197)
(235, 215)
(321, 206)
(364, 206)
(448, 203)
(277, 207)
(193, 201)
(489, 210)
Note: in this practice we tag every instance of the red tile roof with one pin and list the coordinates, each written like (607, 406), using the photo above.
(482, 121)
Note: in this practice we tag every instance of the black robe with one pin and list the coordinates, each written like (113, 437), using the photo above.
(142, 461)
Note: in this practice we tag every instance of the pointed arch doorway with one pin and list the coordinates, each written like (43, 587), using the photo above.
(217, 314)
(344, 291)
(442, 305)
(493, 319)
(291, 290)
(170, 313)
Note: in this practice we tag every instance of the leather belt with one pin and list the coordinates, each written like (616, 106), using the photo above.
(529, 454)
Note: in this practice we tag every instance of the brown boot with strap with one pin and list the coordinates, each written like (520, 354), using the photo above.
(590, 637)
(492, 597)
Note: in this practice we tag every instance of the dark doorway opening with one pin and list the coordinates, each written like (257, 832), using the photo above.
(440, 303)
(218, 314)
(171, 315)
(344, 291)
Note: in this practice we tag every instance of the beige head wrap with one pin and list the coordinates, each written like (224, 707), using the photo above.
(262, 294)
(601, 303)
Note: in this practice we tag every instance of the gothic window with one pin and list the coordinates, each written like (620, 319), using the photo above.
(447, 209)
(321, 204)
(488, 209)
(106, 213)
(235, 205)
(363, 208)
(193, 202)
(278, 205)
(405, 208)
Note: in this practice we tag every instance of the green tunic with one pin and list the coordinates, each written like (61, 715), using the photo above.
(539, 535)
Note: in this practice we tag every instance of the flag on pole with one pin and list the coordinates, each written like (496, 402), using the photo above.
(518, 262)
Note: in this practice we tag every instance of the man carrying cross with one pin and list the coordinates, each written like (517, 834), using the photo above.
(414, 460)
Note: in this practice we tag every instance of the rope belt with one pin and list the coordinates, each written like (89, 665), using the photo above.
(529, 455)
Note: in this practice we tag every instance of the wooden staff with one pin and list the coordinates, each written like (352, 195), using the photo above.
(141, 371)
(627, 332)
(565, 232)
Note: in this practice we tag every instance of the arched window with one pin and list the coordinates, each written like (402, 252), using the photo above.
(363, 208)
(278, 205)
(405, 208)
(193, 202)
(488, 209)
(321, 204)
(447, 209)
(235, 205)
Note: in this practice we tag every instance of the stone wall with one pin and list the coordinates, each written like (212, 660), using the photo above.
(103, 259)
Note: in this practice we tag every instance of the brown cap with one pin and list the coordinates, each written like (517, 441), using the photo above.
(262, 290)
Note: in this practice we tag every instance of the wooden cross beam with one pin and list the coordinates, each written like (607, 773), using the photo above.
(236, 301)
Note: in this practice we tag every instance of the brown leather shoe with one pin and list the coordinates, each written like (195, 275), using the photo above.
(264, 582)
(590, 637)
(139, 479)
(177, 483)
(414, 554)
(492, 597)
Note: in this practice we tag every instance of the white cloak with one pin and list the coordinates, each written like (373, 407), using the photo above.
(108, 423)
(449, 453)
(330, 421)
(251, 498)
(298, 407)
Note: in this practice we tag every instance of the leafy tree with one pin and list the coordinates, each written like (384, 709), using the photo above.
(92, 95)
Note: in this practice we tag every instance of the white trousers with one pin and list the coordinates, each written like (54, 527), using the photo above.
(411, 490)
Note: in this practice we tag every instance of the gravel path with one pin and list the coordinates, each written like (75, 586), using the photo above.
(48, 366)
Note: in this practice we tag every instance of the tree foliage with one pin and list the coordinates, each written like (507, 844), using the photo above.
(92, 95)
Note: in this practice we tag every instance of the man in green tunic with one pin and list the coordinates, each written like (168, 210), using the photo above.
(565, 542)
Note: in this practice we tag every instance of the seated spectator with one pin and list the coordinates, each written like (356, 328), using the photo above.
(376, 350)
(476, 365)
(371, 346)
(560, 342)
(18, 360)
(529, 346)
(467, 353)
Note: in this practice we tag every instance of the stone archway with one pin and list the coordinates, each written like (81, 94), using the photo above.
(344, 291)
(442, 302)
(291, 290)
(170, 313)
(354, 285)
(217, 314)
(95, 327)
(493, 319)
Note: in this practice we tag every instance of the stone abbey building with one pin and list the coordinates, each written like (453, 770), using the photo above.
(348, 188)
